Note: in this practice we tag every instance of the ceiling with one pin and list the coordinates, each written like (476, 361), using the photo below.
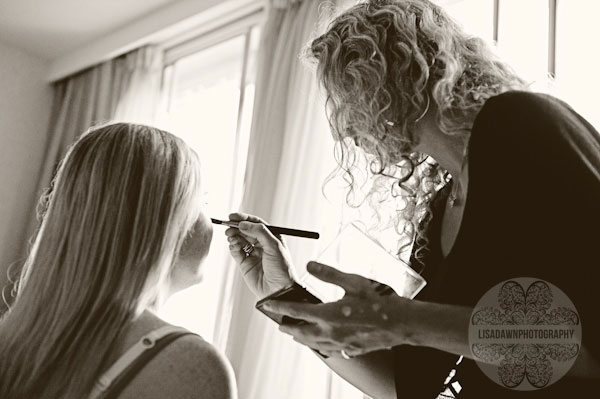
(53, 28)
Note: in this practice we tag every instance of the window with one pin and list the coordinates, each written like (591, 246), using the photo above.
(476, 16)
(577, 58)
(523, 37)
(209, 98)
(545, 41)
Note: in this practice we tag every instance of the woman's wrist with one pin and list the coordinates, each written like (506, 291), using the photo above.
(405, 325)
(434, 325)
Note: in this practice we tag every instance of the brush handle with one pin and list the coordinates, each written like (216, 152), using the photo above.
(275, 229)
(293, 232)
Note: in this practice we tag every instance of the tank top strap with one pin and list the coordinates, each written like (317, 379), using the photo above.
(116, 378)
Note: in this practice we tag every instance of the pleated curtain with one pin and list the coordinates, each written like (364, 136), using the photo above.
(126, 88)
(290, 154)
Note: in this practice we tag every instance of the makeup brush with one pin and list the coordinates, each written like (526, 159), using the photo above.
(274, 229)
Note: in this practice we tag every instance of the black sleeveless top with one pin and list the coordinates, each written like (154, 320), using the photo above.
(532, 210)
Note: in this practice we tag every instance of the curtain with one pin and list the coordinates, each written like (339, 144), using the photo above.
(126, 88)
(290, 154)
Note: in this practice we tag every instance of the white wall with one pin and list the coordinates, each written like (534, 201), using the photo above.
(25, 102)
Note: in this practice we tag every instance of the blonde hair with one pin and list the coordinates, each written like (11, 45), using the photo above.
(122, 202)
(381, 64)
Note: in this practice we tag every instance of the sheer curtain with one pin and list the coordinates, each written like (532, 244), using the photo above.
(290, 154)
(126, 88)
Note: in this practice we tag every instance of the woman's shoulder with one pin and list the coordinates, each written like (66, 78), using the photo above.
(521, 99)
(188, 367)
(197, 369)
(522, 122)
(522, 108)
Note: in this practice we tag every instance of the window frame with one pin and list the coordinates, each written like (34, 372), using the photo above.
(236, 24)
(212, 35)
(244, 22)
(552, 18)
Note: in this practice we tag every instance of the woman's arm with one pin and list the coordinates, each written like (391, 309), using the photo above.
(372, 373)
(267, 270)
(363, 322)
(438, 326)
(445, 327)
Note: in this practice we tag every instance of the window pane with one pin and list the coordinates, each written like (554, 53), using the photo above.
(577, 58)
(204, 105)
(523, 37)
(476, 16)
(204, 110)
(245, 119)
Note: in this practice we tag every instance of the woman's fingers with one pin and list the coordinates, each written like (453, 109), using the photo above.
(311, 335)
(302, 311)
(236, 252)
(334, 350)
(256, 231)
(259, 232)
(236, 243)
(351, 283)
(243, 217)
(232, 231)
(240, 239)
(234, 236)
(307, 333)
(329, 353)
(239, 216)
(382, 289)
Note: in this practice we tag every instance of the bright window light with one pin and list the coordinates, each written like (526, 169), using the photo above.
(204, 109)
(577, 57)
(523, 38)
(476, 16)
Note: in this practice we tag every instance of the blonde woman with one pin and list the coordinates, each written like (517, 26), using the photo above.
(498, 183)
(123, 228)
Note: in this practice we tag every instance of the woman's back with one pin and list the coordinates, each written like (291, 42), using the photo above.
(188, 367)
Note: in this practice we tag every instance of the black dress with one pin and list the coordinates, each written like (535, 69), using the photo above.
(532, 210)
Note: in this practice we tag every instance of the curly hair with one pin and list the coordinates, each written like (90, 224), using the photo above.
(380, 63)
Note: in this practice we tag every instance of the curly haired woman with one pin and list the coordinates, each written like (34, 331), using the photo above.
(498, 182)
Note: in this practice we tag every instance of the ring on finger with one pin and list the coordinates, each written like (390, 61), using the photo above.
(345, 354)
(248, 248)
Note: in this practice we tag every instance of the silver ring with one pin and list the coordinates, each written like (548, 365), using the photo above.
(345, 355)
(248, 248)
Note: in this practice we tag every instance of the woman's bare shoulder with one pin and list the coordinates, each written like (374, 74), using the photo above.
(202, 366)
(188, 368)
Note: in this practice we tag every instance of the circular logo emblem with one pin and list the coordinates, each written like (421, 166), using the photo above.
(525, 334)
